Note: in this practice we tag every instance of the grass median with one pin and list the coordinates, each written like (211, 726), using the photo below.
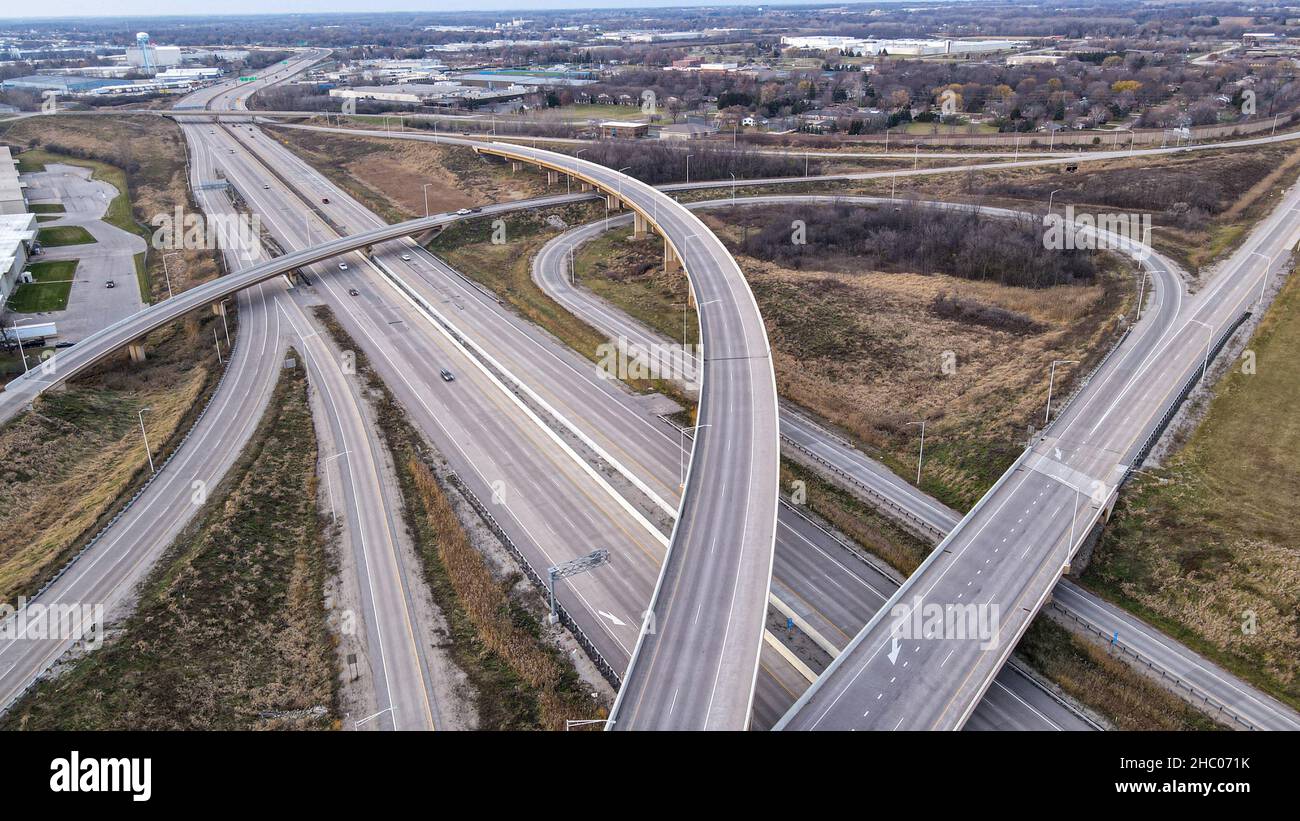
(230, 630)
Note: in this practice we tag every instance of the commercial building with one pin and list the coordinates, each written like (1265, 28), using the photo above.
(442, 93)
(59, 84)
(901, 47)
(623, 130)
(13, 194)
(17, 233)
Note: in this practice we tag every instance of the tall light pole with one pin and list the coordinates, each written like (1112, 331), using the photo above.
(1209, 335)
(145, 436)
(224, 324)
(22, 350)
(329, 480)
(733, 188)
(424, 189)
(1049, 199)
(1268, 270)
(167, 273)
(921, 454)
(688, 168)
(216, 343)
(1051, 381)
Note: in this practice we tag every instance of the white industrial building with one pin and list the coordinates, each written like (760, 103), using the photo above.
(899, 48)
(17, 233)
(13, 196)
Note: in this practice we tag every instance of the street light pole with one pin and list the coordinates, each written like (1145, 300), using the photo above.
(145, 436)
(224, 323)
(920, 456)
(688, 168)
(167, 273)
(329, 480)
(1050, 382)
(424, 189)
(1209, 335)
(1049, 199)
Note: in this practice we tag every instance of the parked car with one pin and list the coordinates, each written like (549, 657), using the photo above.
(447, 376)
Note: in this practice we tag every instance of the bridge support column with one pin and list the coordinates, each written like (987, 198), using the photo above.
(613, 202)
(671, 263)
(584, 186)
(639, 225)
(136, 350)
(219, 309)
(515, 165)
(552, 177)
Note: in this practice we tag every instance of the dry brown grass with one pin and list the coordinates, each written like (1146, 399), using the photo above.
(70, 462)
(1106, 684)
(1209, 551)
(230, 630)
(489, 609)
(388, 176)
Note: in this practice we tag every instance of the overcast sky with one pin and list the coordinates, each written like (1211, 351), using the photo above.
(209, 8)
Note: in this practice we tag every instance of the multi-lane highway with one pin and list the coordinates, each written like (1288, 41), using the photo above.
(420, 291)
(1242, 703)
(1007, 554)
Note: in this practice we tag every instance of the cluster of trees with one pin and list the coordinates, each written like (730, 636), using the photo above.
(909, 237)
(655, 162)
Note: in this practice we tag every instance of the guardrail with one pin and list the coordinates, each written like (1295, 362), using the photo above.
(606, 669)
(1184, 689)
(99, 534)
(889, 507)
(1186, 391)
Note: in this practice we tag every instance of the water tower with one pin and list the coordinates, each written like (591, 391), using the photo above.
(142, 43)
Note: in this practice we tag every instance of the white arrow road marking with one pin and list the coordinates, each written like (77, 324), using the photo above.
(893, 650)
(617, 621)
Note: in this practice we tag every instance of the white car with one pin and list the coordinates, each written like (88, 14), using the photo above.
(464, 212)
(343, 266)
(406, 257)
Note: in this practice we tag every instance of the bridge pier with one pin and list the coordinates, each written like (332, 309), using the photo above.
(552, 177)
(612, 202)
(671, 262)
(639, 225)
(136, 350)
(584, 186)
(515, 165)
(219, 308)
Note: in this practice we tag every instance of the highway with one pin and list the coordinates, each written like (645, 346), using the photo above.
(1008, 552)
(452, 302)
(124, 552)
(840, 462)
(696, 661)
(642, 445)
